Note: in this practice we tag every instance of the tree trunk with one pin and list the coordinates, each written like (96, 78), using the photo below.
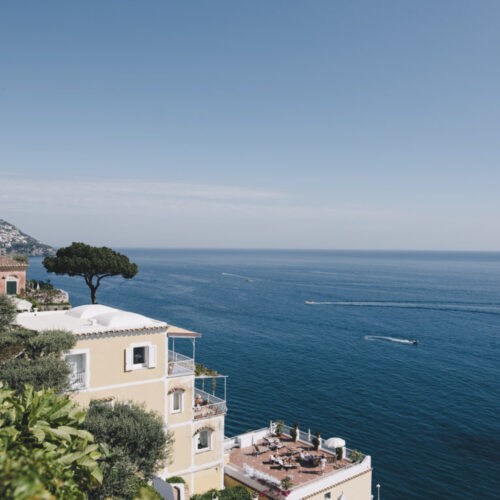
(93, 289)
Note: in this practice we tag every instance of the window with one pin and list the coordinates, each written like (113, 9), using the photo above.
(177, 397)
(204, 440)
(328, 495)
(78, 361)
(139, 356)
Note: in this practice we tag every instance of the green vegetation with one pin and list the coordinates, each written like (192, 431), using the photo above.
(138, 447)
(19, 258)
(356, 456)
(286, 483)
(43, 452)
(7, 312)
(201, 369)
(235, 493)
(32, 358)
(175, 479)
(92, 263)
(279, 425)
(35, 359)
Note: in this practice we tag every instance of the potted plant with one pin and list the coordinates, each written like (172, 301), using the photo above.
(279, 425)
(294, 433)
(286, 486)
(355, 456)
(316, 440)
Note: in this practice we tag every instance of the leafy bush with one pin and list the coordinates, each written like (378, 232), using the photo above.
(234, 493)
(138, 446)
(44, 453)
(35, 359)
(175, 479)
(356, 456)
(7, 312)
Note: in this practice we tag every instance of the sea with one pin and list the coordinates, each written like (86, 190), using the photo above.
(322, 338)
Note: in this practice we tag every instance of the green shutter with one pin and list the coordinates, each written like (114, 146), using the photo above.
(11, 287)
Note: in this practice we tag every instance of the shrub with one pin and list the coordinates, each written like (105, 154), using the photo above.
(44, 453)
(138, 443)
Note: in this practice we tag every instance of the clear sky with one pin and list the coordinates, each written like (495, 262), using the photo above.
(255, 124)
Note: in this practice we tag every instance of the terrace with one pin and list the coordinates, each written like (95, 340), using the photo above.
(178, 364)
(207, 405)
(251, 462)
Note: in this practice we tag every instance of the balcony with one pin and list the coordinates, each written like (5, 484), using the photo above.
(207, 405)
(178, 364)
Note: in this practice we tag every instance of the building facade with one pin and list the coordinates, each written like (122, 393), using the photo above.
(122, 356)
(12, 276)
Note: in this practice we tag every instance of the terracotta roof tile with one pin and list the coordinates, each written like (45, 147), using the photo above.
(11, 263)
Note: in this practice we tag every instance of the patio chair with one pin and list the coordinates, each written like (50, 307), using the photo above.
(331, 460)
(269, 441)
(257, 450)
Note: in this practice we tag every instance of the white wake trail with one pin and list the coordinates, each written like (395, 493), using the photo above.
(390, 339)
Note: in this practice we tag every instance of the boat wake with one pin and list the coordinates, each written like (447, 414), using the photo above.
(390, 339)
(472, 308)
(246, 278)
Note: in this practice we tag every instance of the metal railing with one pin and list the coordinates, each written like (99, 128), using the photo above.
(79, 380)
(306, 438)
(178, 364)
(210, 406)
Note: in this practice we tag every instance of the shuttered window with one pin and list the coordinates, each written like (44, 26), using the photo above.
(140, 356)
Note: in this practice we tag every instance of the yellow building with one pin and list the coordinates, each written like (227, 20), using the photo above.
(123, 356)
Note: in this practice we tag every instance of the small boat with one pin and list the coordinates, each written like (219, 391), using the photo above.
(414, 342)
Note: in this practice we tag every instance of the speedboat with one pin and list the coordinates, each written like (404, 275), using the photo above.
(414, 342)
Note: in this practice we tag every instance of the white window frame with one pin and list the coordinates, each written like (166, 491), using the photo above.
(150, 351)
(209, 447)
(172, 399)
(87, 364)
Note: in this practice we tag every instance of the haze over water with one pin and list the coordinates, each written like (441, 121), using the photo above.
(341, 364)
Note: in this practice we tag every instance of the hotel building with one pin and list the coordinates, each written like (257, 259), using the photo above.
(123, 356)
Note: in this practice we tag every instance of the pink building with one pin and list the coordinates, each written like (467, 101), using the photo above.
(12, 276)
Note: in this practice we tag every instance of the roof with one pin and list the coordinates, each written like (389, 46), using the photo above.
(177, 332)
(7, 263)
(92, 319)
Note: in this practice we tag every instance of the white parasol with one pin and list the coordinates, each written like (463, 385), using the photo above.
(334, 443)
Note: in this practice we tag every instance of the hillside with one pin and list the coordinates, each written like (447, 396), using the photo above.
(13, 240)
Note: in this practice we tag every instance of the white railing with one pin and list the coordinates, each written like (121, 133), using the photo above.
(178, 364)
(79, 380)
(210, 406)
(305, 438)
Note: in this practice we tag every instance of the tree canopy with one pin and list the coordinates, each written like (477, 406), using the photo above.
(43, 451)
(92, 263)
(138, 446)
(35, 359)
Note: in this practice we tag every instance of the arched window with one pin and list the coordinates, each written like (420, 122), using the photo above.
(176, 401)
(203, 438)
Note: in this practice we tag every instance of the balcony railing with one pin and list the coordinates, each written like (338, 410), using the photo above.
(79, 380)
(208, 405)
(178, 364)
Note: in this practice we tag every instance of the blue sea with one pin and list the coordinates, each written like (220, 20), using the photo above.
(429, 415)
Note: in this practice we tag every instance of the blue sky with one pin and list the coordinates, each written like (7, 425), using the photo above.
(263, 124)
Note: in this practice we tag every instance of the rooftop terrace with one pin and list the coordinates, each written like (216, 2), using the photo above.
(253, 465)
